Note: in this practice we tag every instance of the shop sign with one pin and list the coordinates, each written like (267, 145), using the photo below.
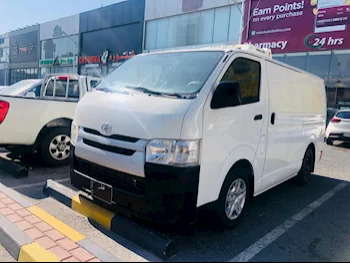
(57, 61)
(297, 26)
(106, 58)
(24, 49)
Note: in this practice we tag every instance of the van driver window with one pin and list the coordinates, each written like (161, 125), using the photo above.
(246, 73)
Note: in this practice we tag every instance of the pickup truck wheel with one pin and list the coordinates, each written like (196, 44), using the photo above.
(233, 199)
(55, 148)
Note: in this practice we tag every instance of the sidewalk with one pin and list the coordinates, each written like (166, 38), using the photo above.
(37, 236)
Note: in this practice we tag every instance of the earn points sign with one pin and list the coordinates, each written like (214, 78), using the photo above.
(297, 26)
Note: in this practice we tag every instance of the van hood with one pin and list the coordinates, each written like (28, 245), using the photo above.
(134, 115)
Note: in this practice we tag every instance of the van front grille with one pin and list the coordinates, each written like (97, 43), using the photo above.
(114, 137)
(109, 148)
(117, 179)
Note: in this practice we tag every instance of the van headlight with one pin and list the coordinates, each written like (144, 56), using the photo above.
(74, 133)
(172, 152)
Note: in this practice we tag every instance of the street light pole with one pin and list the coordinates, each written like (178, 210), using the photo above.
(76, 45)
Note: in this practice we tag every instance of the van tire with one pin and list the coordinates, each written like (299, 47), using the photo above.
(307, 167)
(51, 138)
(329, 142)
(222, 219)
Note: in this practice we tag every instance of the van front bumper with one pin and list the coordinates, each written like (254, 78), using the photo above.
(166, 194)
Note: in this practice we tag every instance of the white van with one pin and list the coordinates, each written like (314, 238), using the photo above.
(170, 132)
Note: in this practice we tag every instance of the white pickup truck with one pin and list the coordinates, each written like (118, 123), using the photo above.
(40, 122)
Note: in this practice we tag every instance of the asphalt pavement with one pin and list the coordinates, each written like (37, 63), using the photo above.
(287, 223)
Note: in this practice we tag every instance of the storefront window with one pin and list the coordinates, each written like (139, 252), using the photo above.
(297, 60)
(60, 47)
(340, 65)
(17, 75)
(319, 64)
(280, 57)
(218, 25)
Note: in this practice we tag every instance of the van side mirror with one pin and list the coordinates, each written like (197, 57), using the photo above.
(227, 94)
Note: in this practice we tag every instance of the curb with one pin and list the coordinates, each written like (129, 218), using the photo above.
(23, 249)
(13, 168)
(157, 243)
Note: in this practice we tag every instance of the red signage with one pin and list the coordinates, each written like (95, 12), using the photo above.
(288, 26)
(105, 58)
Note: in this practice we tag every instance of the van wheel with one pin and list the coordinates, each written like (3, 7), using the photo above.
(55, 148)
(329, 142)
(304, 175)
(233, 198)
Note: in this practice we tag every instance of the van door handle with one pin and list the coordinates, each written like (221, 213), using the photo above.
(273, 118)
(258, 117)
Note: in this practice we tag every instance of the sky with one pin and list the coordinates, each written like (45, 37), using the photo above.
(20, 13)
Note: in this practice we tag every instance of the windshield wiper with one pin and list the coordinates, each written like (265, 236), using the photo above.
(104, 89)
(144, 90)
(157, 93)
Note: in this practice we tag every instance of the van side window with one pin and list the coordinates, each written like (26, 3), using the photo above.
(246, 73)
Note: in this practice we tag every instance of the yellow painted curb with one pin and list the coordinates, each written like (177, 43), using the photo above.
(92, 211)
(35, 253)
(58, 225)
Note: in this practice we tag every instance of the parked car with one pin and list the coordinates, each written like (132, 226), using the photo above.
(168, 133)
(22, 88)
(40, 120)
(3, 87)
(339, 127)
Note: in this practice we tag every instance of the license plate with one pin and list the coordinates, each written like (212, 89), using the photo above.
(102, 191)
(346, 134)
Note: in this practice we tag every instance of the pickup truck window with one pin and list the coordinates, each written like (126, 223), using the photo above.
(73, 89)
(50, 89)
(61, 88)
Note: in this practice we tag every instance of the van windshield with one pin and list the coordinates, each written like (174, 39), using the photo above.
(170, 74)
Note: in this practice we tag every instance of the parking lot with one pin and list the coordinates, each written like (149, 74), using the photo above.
(288, 223)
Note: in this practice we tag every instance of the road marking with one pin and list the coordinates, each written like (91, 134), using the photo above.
(38, 184)
(267, 240)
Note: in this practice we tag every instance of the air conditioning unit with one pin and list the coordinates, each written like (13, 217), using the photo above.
(251, 48)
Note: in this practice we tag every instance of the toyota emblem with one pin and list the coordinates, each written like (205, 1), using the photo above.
(106, 129)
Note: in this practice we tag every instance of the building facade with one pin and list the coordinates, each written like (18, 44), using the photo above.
(24, 54)
(310, 35)
(4, 59)
(59, 46)
(109, 36)
(180, 23)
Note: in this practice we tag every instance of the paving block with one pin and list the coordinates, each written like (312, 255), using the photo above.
(60, 253)
(82, 255)
(14, 218)
(24, 225)
(54, 235)
(43, 227)
(45, 242)
(23, 212)
(34, 233)
(67, 244)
